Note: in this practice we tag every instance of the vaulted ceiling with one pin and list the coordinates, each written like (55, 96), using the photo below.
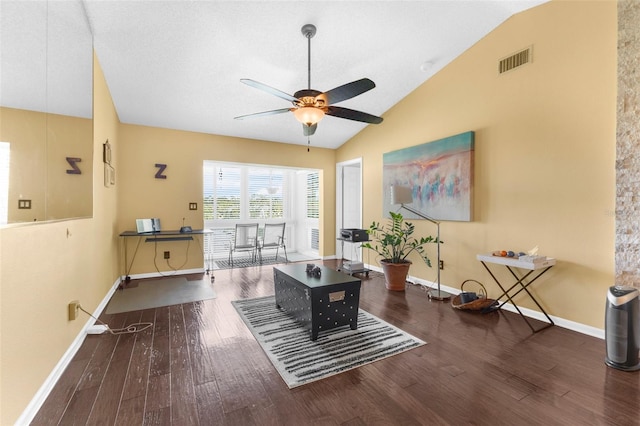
(178, 64)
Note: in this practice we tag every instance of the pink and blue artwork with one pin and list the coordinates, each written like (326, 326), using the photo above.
(439, 174)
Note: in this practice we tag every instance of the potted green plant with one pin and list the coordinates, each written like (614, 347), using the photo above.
(394, 241)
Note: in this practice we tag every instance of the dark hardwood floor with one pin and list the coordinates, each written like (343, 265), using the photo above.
(199, 364)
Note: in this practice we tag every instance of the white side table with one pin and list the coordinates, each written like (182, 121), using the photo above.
(535, 270)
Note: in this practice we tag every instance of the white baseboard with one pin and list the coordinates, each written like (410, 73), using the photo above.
(41, 395)
(530, 313)
(560, 322)
(36, 402)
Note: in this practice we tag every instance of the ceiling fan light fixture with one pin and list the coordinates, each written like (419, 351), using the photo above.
(310, 105)
(308, 115)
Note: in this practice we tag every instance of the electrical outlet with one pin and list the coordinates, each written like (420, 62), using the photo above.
(74, 307)
(441, 265)
(167, 255)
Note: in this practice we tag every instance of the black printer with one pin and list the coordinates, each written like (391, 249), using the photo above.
(354, 235)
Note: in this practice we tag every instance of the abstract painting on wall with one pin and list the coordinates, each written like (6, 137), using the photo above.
(439, 174)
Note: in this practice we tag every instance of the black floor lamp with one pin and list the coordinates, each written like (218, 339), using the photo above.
(402, 195)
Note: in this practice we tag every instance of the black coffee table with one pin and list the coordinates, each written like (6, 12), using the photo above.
(320, 303)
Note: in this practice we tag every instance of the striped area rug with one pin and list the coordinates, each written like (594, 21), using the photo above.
(245, 262)
(299, 360)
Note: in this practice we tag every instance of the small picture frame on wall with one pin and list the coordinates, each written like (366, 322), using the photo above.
(107, 180)
(109, 175)
(106, 152)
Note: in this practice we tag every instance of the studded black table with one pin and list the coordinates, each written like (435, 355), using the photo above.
(318, 302)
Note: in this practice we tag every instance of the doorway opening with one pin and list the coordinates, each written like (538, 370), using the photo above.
(348, 206)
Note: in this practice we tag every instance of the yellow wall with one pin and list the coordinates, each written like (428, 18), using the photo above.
(40, 143)
(544, 175)
(69, 195)
(183, 153)
(43, 267)
(544, 153)
(27, 134)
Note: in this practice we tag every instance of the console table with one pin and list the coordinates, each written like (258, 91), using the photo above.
(153, 237)
(535, 271)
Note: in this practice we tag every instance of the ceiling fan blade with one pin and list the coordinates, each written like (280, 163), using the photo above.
(268, 89)
(309, 130)
(259, 114)
(352, 114)
(347, 91)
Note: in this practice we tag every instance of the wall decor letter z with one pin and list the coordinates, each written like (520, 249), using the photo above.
(161, 169)
(74, 170)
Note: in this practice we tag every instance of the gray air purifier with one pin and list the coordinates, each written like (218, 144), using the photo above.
(622, 328)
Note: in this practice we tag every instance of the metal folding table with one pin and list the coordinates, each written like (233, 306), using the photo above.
(535, 271)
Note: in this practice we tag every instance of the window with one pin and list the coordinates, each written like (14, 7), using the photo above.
(243, 192)
(313, 195)
(266, 187)
(222, 193)
(4, 181)
(235, 192)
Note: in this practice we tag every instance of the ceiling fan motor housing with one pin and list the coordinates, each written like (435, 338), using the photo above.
(308, 30)
(309, 98)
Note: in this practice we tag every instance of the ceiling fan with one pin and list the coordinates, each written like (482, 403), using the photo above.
(310, 105)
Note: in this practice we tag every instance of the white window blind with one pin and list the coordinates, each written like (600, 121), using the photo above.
(266, 189)
(314, 238)
(222, 192)
(313, 195)
(4, 181)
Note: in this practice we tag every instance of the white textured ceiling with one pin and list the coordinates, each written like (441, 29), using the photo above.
(178, 64)
(45, 57)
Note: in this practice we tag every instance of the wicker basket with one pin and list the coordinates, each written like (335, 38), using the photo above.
(482, 303)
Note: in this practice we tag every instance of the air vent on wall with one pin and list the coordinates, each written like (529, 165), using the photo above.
(315, 239)
(516, 60)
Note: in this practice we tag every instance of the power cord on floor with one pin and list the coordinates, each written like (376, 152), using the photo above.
(423, 287)
(133, 328)
(175, 270)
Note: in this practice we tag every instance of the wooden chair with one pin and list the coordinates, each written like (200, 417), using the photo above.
(273, 238)
(245, 240)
